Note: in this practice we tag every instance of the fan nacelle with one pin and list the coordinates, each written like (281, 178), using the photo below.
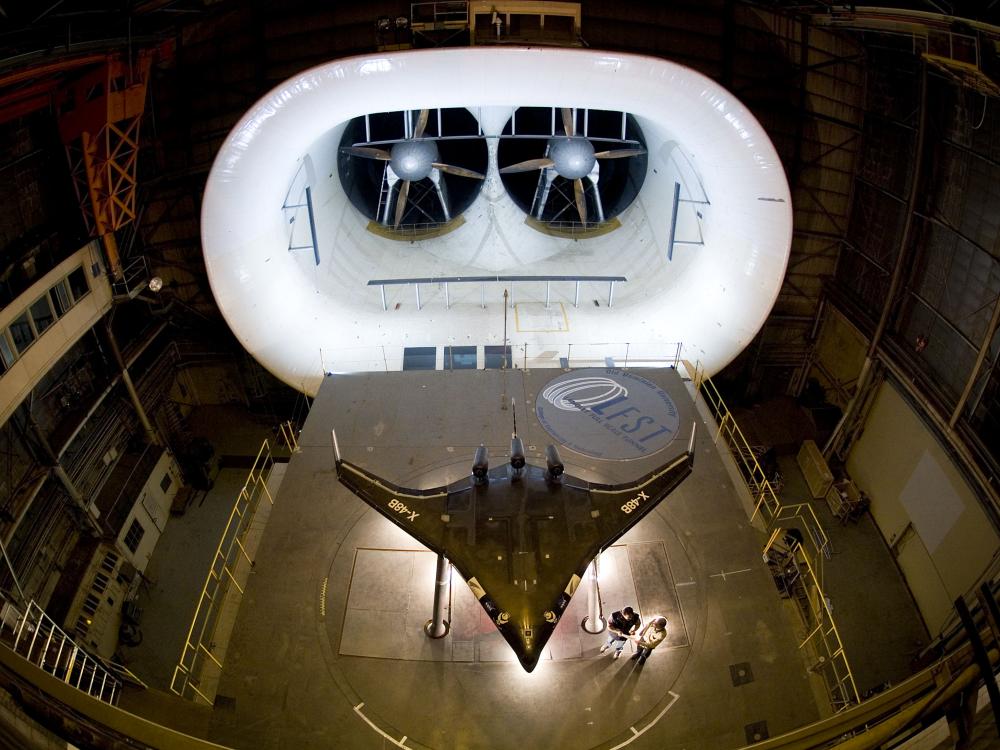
(414, 160)
(573, 157)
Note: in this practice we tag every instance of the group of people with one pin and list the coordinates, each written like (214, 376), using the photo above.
(624, 626)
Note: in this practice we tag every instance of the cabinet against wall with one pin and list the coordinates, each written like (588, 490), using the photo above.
(814, 468)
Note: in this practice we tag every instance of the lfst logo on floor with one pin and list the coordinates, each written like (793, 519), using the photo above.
(607, 413)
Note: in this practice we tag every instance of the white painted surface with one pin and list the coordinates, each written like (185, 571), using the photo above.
(56, 340)
(931, 502)
(298, 319)
(909, 478)
(151, 510)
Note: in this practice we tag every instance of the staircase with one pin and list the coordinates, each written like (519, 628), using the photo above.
(34, 636)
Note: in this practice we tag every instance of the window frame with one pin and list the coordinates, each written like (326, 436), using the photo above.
(26, 315)
(135, 527)
(86, 283)
(31, 313)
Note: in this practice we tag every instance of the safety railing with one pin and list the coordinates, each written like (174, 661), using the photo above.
(36, 637)
(196, 654)
(289, 436)
(823, 635)
(444, 12)
(794, 571)
(443, 283)
(134, 278)
(766, 502)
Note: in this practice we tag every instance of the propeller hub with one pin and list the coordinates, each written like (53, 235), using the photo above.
(572, 157)
(414, 160)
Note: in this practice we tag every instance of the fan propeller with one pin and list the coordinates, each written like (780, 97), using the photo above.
(412, 159)
(573, 157)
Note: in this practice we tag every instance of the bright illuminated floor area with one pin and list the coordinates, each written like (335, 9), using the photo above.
(327, 648)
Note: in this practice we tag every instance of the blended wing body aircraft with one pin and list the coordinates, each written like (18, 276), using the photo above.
(521, 535)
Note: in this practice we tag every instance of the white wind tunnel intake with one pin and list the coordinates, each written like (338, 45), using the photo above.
(300, 318)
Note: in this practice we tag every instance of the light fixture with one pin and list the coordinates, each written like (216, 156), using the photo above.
(155, 284)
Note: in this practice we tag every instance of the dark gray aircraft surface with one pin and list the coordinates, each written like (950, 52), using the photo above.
(521, 535)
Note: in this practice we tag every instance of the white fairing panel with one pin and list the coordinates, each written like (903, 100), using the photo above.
(300, 320)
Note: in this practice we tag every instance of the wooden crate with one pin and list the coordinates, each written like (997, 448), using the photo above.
(814, 468)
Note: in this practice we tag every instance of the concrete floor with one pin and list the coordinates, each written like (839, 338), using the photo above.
(327, 649)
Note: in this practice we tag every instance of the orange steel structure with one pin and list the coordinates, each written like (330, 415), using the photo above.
(99, 117)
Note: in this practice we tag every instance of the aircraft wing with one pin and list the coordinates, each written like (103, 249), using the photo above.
(521, 540)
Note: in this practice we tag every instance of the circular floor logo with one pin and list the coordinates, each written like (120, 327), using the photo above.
(607, 413)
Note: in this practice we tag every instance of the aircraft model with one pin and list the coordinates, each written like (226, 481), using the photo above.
(521, 535)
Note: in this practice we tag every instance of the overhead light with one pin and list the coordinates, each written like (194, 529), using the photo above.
(155, 284)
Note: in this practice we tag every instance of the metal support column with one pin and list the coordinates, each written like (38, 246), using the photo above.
(594, 622)
(437, 626)
(982, 658)
(611, 295)
(984, 349)
(576, 295)
(64, 479)
(151, 435)
(902, 264)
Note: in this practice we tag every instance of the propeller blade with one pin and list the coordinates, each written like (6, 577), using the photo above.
(404, 192)
(527, 166)
(418, 132)
(568, 125)
(621, 153)
(368, 153)
(581, 201)
(460, 171)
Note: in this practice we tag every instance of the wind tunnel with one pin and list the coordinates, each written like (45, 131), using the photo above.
(290, 245)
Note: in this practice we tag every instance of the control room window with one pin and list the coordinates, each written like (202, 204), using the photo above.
(41, 313)
(78, 284)
(22, 333)
(460, 358)
(419, 358)
(60, 297)
(134, 536)
(495, 357)
(6, 352)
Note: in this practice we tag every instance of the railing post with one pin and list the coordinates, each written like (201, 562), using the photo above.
(382, 289)
(576, 295)
(447, 298)
(71, 663)
(611, 295)
(722, 424)
(417, 288)
(482, 295)
(512, 295)
(626, 354)
(548, 286)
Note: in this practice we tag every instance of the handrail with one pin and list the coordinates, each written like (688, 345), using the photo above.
(831, 660)
(37, 638)
(484, 280)
(198, 643)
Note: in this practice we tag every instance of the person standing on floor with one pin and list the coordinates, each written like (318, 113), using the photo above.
(622, 626)
(651, 636)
